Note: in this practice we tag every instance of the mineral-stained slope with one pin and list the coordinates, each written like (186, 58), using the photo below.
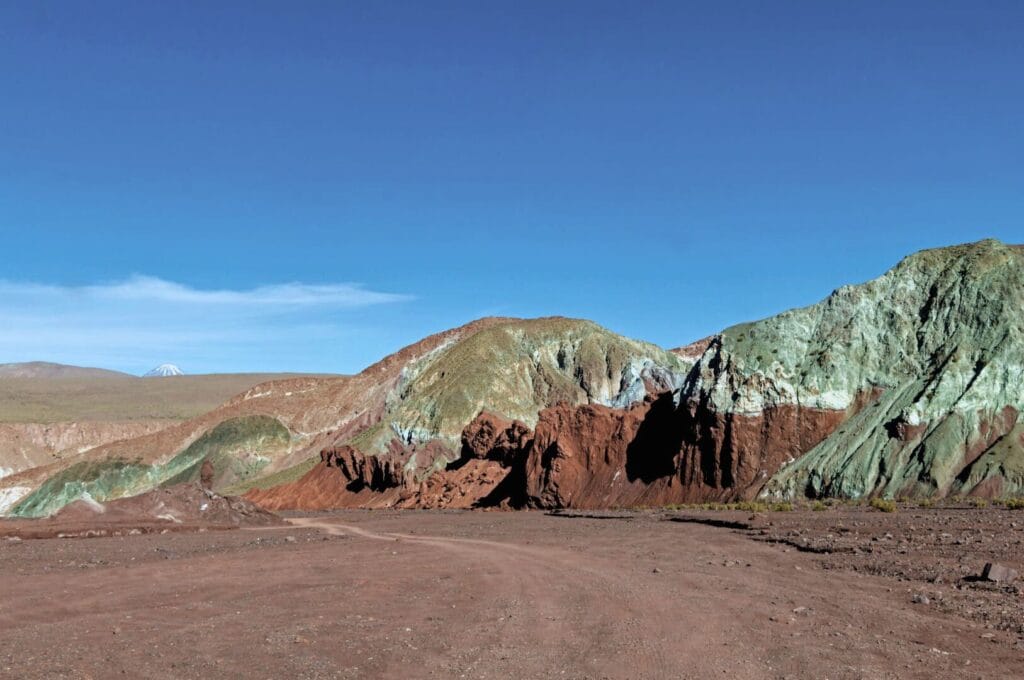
(405, 413)
(513, 370)
(312, 410)
(910, 384)
(938, 339)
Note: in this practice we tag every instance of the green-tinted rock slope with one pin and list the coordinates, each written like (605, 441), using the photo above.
(927, 361)
(233, 446)
(423, 394)
(515, 369)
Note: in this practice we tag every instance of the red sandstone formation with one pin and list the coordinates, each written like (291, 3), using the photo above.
(582, 457)
(492, 437)
(655, 453)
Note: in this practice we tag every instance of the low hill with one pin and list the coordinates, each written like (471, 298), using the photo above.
(50, 412)
(906, 386)
(46, 370)
(71, 396)
(416, 400)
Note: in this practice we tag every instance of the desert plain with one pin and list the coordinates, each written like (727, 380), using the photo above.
(846, 591)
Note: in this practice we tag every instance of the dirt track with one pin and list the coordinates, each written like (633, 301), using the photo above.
(476, 595)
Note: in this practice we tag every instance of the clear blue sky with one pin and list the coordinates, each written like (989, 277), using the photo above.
(200, 182)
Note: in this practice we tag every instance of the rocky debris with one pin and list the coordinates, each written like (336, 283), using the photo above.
(933, 552)
(472, 483)
(184, 507)
(997, 573)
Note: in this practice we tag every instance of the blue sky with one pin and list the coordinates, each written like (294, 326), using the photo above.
(309, 186)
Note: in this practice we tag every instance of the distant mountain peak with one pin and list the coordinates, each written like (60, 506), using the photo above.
(163, 371)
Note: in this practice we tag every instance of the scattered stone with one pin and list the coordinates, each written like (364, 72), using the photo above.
(289, 539)
(920, 598)
(997, 573)
(656, 571)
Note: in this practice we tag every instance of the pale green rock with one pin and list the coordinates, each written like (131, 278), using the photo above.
(233, 447)
(940, 335)
(515, 369)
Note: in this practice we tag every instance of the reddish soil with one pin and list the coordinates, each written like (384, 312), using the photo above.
(361, 594)
(936, 553)
(589, 456)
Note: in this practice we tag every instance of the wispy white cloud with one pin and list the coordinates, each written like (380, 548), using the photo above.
(152, 289)
(145, 320)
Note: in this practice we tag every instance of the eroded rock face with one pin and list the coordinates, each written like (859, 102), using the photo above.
(906, 385)
(376, 473)
(940, 337)
(492, 437)
(206, 474)
(655, 453)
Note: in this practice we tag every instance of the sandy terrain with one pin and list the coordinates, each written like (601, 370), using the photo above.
(382, 594)
(117, 398)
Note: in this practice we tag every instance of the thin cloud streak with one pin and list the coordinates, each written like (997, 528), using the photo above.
(143, 320)
(153, 289)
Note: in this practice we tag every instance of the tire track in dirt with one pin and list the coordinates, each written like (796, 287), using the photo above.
(588, 608)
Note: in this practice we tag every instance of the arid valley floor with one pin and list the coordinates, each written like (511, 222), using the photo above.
(847, 592)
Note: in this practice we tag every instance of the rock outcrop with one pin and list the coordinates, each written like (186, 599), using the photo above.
(906, 385)
(184, 507)
(939, 342)
(413, 452)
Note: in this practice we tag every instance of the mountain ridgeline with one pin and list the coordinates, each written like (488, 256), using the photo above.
(408, 409)
(908, 385)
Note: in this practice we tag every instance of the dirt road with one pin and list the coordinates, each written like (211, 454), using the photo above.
(468, 594)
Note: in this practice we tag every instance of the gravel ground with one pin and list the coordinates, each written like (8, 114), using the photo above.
(426, 594)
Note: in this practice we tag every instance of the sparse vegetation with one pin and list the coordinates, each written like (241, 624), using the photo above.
(818, 506)
(742, 506)
(1014, 503)
(978, 502)
(883, 505)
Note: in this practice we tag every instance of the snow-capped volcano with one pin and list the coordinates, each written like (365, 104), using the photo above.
(164, 370)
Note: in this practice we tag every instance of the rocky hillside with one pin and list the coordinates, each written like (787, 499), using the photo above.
(53, 412)
(411, 406)
(927, 361)
(909, 385)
